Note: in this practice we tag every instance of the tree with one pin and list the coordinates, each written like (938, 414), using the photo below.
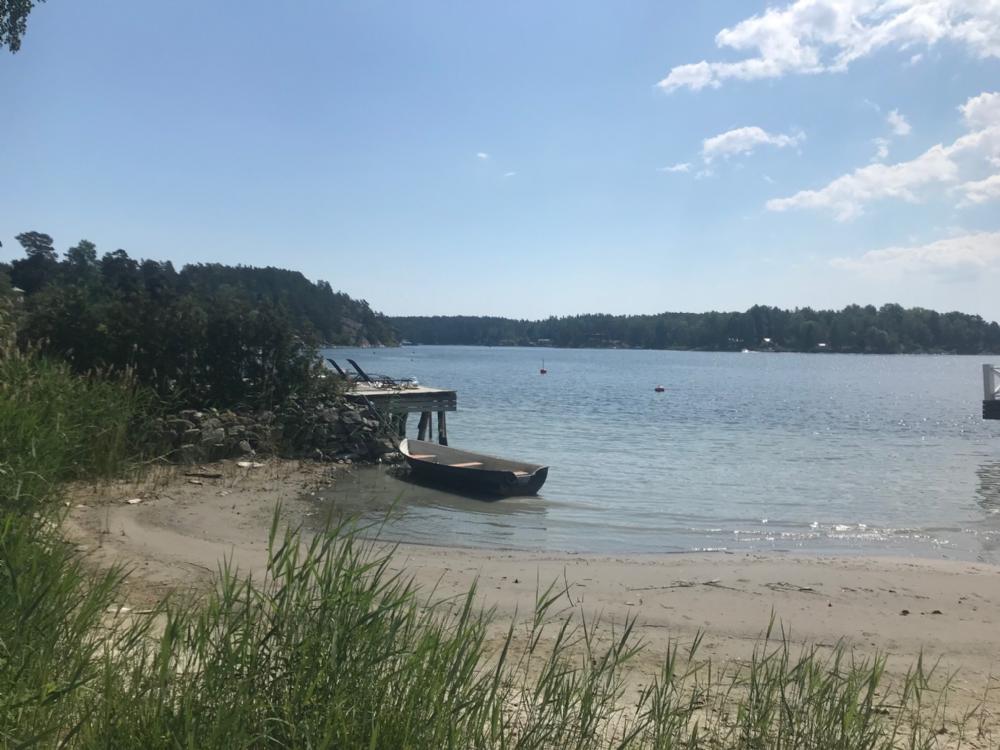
(14, 21)
(37, 243)
(82, 256)
(39, 267)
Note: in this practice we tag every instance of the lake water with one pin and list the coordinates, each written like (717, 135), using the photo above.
(817, 453)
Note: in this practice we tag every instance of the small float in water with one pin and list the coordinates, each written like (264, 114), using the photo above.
(659, 389)
(477, 472)
(543, 371)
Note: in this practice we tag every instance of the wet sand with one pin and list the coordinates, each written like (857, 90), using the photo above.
(176, 537)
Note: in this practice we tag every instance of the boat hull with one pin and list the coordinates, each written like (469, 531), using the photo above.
(474, 472)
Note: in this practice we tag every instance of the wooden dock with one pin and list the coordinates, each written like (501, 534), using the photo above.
(400, 402)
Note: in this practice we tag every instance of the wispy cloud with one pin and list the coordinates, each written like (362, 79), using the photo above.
(680, 167)
(898, 123)
(744, 141)
(482, 155)
(881, 148)
(509, 174)
(975, 151)
(816, 36)
(981, 191)
(961, 257)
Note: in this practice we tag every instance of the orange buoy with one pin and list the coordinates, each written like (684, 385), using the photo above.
(659, 389)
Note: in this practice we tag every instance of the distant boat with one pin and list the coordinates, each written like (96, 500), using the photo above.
(659, 389)
(543, 371)
(473, 471)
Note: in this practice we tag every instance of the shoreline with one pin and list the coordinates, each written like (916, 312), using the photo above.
(177, 536)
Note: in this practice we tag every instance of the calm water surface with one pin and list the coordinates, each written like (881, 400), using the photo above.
(814, 453)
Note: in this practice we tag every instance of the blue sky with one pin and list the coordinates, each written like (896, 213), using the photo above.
(515, 158)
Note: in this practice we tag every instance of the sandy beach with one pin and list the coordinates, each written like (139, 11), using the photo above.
(184, 526)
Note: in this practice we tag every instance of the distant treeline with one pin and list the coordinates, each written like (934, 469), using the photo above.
(885, 330)
(209, 334)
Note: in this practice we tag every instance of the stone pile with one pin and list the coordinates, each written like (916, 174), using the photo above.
(326, 431)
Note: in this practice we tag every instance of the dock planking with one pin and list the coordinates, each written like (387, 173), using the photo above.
(403, 401)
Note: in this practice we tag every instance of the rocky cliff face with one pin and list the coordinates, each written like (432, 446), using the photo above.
(322, 430)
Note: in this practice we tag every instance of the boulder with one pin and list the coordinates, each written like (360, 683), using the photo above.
(214, 435)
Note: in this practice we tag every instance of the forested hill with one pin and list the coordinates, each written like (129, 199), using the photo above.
(884, 330)
(153, 287)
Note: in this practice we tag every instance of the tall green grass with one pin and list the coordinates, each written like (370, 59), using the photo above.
(331, 649)
(55, 427)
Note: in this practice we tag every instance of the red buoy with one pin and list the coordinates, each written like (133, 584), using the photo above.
(659, 389)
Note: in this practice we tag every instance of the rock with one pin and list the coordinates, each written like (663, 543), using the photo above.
(213, 435)
(212, 423)
(179, 425)
(381, 446)
(246, 448)
(191, 435)
(134, 501)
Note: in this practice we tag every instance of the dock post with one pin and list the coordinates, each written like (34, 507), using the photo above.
(403, 418)
(424, 426)
(442, 429)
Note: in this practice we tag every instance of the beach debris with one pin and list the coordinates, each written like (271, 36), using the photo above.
(134, 500)
(905, 612)
(204, 474)
(195, 481)
(249, 464)
(784, 586)
(715, 583)
(119, 609)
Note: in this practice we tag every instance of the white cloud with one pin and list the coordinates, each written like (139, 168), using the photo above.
(847, 195)
(482, 155)
(982, 111)
(509, 174)
(681, 167)
(981, 191)
(768, 179)
(881, 148)
(744, 141)
(816, 36)
(960, 257)
(898, 123)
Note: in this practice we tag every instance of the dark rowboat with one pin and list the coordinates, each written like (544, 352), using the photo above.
(474, 471)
